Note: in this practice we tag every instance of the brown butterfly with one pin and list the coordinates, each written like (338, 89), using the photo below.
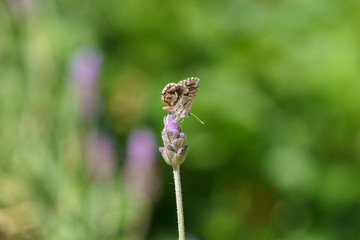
(181, 96)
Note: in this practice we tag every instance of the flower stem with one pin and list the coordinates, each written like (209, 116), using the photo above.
(179, 204)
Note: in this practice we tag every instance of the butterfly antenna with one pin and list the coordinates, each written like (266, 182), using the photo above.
(197, 118)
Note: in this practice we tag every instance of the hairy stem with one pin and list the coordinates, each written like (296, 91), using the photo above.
(179, 204)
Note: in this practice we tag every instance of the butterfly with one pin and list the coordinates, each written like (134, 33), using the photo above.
(180, 97)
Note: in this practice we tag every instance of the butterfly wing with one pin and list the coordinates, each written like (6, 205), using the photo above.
(180, 96)
(192, 84)
(172, 95)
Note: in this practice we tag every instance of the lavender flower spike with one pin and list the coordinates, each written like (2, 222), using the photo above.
(175, 149)
(174, 153)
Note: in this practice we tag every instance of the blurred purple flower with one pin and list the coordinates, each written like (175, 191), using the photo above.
(86, 65)
(142, 147)
(101, 154)
(140, 169)
(85, 70)
(20, 8)
(141, 182)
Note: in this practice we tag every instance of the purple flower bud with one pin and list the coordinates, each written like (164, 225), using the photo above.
(182, 135)
(179, 143)
(169, 147)
(175, 149)
(170, 157)
(171, 123)
(183, 151)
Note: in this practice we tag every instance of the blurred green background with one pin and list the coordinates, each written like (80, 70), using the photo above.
(80, 119)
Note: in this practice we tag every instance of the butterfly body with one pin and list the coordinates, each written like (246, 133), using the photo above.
(180, 96)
